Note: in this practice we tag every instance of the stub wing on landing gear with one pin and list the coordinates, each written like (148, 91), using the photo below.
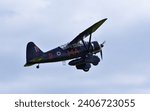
(85, 63)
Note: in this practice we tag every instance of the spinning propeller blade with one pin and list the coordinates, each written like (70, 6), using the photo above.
(101, 54)
(101, 46)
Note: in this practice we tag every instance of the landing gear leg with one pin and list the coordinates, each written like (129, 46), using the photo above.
(38, 66)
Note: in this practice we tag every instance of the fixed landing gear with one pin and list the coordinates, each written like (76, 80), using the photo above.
(38, 66)
(84, 67)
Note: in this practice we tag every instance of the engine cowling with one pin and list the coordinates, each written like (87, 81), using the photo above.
(95, 47)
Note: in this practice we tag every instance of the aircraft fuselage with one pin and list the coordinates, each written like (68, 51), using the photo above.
(62, 54)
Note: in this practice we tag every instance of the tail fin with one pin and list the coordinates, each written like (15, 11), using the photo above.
(32, 52)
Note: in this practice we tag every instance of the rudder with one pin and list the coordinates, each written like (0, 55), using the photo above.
(32, 52)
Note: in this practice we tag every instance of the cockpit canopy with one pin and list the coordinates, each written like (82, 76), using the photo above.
(66, 46)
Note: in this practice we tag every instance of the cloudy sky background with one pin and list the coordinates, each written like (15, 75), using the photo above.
(50, 23)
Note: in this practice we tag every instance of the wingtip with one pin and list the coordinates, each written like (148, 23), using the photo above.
(105, 19)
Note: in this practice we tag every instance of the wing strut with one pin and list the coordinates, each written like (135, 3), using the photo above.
(89, 43)
(84, 44)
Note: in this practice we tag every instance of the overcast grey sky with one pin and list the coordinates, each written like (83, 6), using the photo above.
(50, 23)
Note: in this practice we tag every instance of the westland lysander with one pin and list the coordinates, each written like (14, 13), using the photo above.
(81, 53)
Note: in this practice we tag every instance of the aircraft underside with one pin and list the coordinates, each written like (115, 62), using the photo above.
(85, 63)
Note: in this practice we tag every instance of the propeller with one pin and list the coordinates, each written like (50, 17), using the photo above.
(101, 46)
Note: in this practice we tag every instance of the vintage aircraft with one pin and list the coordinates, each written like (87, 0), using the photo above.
(82, 52)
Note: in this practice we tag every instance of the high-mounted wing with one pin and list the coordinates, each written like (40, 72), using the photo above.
(87, 32)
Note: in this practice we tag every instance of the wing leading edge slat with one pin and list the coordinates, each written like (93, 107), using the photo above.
(87, 32)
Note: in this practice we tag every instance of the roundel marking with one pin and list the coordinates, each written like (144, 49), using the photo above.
(58, 53)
